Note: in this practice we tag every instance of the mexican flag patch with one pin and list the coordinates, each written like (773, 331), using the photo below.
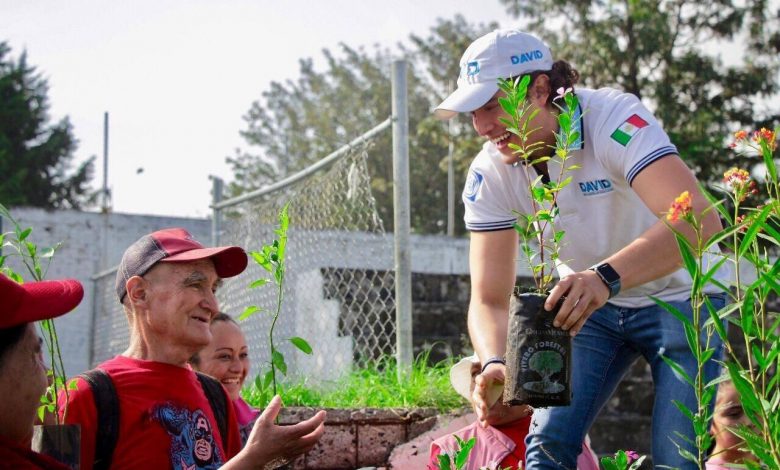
(626, 131)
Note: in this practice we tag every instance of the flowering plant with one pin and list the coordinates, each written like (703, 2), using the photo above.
(541, 253)
(623, 460)
(751, 239)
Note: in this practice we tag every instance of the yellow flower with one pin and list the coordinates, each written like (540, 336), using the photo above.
(680, 207)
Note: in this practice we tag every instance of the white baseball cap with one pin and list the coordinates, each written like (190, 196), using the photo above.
(460, 378)
(503, 53)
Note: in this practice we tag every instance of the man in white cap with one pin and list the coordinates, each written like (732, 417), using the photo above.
(618, 249)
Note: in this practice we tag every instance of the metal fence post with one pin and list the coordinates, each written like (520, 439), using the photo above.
(216, 218)
(403, 272)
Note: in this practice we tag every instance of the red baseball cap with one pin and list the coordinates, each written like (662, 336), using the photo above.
(33, 301)
(175, 245)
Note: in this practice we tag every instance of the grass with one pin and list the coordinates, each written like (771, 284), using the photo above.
(375, 386)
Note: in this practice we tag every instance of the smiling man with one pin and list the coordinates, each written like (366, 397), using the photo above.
(617, 250)
(146, 408)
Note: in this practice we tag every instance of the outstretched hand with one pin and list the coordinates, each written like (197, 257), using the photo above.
(584, 293)
(269, 442)
(484, 394)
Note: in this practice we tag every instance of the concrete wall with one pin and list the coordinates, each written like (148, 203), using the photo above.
(85, 236)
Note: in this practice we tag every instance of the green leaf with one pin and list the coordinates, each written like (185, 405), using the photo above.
(47, 253)
(24, 234)
(268, 379)
(564, 121)
(621, 459)
(463, 454)
(444, 462)
(301, 344)
(506, 105)
(716, 319)
(278, 360)
(248, 312)
(683, 409)
(689, 260)
(678, 369)
(752, 231)
(672, 309)
(261, 259)
(609, 463)
(258, 283)
(750, 402)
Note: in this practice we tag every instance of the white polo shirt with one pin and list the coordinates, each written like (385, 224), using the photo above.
(598, 210)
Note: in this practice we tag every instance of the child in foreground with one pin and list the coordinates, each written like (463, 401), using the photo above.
(502, 443)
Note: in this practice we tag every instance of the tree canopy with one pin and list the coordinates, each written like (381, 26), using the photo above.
(297, 122)
(36, 156)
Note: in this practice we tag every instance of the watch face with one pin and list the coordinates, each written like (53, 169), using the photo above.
(608, 273)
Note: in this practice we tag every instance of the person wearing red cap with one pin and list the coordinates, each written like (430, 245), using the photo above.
(167, 415)
(23, 377)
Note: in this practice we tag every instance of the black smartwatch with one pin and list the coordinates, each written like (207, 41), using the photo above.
(610, 277)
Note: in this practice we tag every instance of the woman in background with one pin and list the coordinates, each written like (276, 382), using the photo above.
(226, 358)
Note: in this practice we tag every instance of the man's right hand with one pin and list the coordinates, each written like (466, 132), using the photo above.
(484, 384)
(269, 442)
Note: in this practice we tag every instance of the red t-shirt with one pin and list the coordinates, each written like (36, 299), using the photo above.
(517, 432)
(13, 455)
(166, 420)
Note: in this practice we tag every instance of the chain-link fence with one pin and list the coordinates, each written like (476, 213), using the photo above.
(339, 285)
(110, 334)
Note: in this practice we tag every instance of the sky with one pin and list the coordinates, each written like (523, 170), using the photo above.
(176, 76)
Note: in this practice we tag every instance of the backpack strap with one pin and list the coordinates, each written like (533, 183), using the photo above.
(218, 400)
(107, 406)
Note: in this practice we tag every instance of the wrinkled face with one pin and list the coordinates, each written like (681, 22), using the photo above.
(181, 301)
(226, 358)
(22, 382)
(486, 121)
(728, 413)
(499, 413)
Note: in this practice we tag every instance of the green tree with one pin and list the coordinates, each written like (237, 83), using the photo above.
(546, 363)
(664, 52)
(35, 156)
(298, 122)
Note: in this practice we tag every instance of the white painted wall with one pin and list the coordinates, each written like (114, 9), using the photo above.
(84, 237)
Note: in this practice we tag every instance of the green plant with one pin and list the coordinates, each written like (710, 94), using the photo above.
(623, 460)
(459, 457)
(541, 253)
(751, 240)
(271, 258)
(375, 386)
(36, 261)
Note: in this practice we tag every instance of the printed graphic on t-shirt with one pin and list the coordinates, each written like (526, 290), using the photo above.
(473, 182)
(192, 442)
(627, 129)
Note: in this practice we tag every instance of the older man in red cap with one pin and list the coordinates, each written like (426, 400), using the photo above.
(22, 370)
(158, 413)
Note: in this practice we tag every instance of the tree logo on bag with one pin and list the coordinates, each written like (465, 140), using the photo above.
(546, 359)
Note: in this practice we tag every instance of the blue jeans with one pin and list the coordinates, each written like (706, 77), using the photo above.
(609, 342)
